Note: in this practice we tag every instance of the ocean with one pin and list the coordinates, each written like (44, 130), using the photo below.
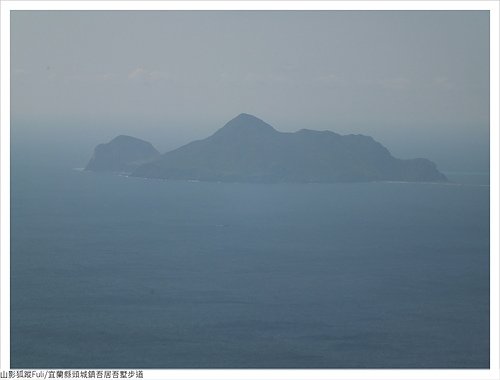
(115, 272)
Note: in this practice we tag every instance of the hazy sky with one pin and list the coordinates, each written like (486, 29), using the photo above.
(418, 81)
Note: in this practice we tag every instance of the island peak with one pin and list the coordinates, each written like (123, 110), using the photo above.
(122, 154)
(245, 123)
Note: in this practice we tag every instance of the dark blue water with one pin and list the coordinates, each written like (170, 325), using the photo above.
(109, 271)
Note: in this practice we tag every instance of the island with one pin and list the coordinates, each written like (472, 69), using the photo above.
(123, 154)
(247, 149)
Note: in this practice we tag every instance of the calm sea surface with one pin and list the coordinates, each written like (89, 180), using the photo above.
(110, 271)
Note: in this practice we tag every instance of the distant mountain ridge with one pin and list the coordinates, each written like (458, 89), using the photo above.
(247, 149)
